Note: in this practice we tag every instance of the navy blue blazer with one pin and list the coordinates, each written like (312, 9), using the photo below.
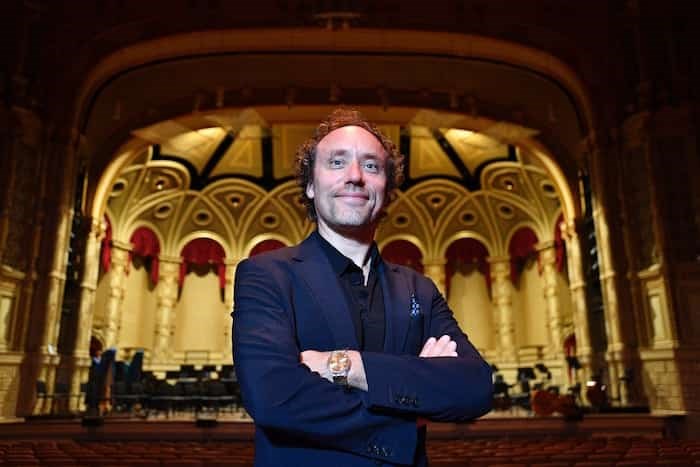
(288, 301)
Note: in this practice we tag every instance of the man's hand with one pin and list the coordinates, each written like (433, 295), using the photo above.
(443, 347)
(318, 362)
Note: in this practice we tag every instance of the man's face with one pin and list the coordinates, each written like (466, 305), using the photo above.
(349, 179)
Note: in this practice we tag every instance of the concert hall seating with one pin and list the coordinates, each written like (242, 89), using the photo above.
(552, 452)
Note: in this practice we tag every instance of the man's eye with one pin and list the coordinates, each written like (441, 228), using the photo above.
(336, 163)
(372, 166)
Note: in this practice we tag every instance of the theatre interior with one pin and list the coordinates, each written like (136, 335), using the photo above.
(552, 193)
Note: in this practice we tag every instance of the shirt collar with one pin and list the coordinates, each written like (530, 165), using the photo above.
(341, 263)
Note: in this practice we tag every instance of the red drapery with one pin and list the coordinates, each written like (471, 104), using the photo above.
(559, 245)
(465, 251)
(521, 248)
(106, 247)
(404, 253)
(266, 245)
(145, 244)
(201, 251)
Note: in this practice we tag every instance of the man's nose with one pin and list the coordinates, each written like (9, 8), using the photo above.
(354, 172)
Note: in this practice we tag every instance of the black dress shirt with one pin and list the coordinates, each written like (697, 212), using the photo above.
(366, 301)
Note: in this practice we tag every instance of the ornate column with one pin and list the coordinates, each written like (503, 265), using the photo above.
(47, 358)
(503, 307)
(435, 270)
(117, 283)
(619, 340)
(548, 260)
(577, 285)
(166, 299)
(81, 362)
(41, 315)
(231, 266)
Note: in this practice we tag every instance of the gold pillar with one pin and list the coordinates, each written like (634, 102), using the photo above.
(166, 299)
(41, 334)
(231, 266)
(548, 261)
(577, 285)
(23, 191)
(503, 307)
(80, 364)
(617, 353)
(117, 285)
(435, 270)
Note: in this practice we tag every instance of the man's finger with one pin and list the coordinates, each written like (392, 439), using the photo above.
(451, 349)
(427, 347)
(441, 345)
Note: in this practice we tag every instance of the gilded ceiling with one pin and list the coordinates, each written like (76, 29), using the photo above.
(231, 177)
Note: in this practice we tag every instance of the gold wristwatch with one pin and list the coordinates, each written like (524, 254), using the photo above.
(339, 366)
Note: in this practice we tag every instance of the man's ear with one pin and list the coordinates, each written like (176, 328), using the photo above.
(310, 190)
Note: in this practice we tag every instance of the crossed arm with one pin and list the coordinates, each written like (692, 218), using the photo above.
(357, 378)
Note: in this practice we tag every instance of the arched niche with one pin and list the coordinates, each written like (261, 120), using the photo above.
(404, 253)
(467, 280)
(200, 305)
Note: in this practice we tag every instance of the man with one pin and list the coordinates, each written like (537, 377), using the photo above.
(340, 355)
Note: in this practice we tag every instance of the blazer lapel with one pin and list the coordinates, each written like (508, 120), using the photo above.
(323, 284)
(397, 308)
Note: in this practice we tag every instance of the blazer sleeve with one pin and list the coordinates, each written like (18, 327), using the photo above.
(282, 394)
(445, 389)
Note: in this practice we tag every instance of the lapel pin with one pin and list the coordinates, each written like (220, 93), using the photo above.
(415, 306)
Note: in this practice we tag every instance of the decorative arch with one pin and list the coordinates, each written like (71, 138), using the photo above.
(265, 246)
(145, 244)
(521, 248)
(464, 251)
(404, 253)
(367, 40)
(201, 251)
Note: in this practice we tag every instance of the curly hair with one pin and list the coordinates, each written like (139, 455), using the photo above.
(306, 154)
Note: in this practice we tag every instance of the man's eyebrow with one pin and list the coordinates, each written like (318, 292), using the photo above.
(338, 152)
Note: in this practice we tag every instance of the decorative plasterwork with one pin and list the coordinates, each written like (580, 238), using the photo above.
(238, 212)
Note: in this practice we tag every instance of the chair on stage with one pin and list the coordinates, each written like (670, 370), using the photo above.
(59, 398)
(216, 396)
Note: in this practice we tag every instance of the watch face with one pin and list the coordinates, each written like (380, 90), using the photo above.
(339, 362)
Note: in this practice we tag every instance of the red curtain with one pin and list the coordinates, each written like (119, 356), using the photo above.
(106, 247)
(266, 245)
(404, 253)
(201, 251)
(521, 248)
(145, 244)
(559, 245)
(465, 251)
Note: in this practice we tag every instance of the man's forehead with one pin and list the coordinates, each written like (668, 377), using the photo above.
(350, 137)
